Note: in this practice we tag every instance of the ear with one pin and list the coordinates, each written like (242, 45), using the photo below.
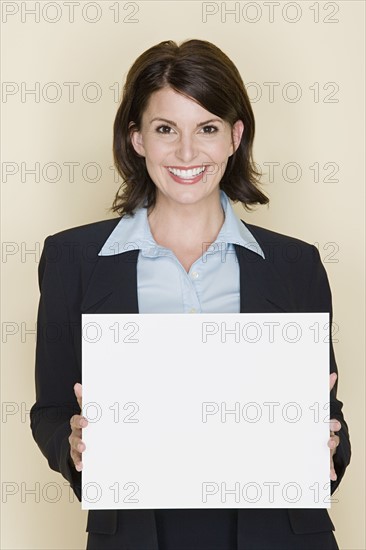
(236, 133)
(136, 139)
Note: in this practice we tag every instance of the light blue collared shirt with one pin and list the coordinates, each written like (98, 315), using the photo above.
(212, 284)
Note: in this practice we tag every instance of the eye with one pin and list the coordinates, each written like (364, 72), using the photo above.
(162, 129)
(163, 126)
(214, 128)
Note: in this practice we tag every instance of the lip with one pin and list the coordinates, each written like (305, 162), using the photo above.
(186, 181)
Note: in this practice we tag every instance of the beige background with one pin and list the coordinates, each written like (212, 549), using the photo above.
(323, 128)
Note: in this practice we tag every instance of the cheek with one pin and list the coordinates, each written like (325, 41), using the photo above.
(219, 148)
(155, 149)
(219, 154)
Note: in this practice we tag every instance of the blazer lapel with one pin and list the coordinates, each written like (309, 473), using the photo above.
(113, 285)
(261, 288)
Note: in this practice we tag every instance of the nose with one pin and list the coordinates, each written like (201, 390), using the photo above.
(186, 148)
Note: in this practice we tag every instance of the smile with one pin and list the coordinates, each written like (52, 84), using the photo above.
(186, 174)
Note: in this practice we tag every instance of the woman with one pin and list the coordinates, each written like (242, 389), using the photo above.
(183, 138)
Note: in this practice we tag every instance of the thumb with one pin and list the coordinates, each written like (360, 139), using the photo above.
(78, 389)
(332, 380)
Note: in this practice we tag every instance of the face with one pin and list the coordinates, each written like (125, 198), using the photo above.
(186, 148)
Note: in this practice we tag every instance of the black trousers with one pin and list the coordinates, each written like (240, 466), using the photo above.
(216, 529)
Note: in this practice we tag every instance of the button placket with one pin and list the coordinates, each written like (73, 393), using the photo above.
(192, 302)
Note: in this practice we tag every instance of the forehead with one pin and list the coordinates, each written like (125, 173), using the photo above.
(168, 101)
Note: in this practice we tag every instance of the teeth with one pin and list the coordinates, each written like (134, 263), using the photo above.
(186, 173)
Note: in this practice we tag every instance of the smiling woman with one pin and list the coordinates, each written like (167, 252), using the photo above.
(203, 90)
(183, 137)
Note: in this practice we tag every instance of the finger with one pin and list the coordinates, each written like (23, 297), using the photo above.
(76, 444)
(75, 438)
(78, 390)
(75, 433)
(76, 458)
(333, 475)
(334, 425)
(77, 447)
(78, 421)
(332, 380)
(80, 445)
(333, 442)
(74, 453)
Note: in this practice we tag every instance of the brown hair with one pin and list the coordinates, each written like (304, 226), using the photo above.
(200, 70)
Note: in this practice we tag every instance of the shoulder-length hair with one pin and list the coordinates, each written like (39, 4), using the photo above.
(200, 70)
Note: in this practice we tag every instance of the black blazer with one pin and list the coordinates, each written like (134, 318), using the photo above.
(73, 279)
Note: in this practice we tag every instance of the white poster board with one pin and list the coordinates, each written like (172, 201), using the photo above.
(206, 410)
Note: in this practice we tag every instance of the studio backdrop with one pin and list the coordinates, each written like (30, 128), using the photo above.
(63, 68)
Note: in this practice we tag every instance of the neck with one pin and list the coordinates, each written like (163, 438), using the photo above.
(186, 226)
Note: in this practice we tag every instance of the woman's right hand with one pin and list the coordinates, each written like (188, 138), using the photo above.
(77, 422)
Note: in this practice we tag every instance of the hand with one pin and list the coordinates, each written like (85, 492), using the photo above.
(77, 446)
(334, 426)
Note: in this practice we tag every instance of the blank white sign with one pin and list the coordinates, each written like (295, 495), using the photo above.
(206, 410)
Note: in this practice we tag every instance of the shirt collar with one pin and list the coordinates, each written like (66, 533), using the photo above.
(133, 232)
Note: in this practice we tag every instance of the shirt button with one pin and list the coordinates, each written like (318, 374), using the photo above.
(192, 310)
(194, 275)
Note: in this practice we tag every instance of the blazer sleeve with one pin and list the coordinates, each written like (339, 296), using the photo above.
(321, 300)
(56, 369)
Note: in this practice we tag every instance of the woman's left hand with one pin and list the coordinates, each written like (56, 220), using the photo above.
(334, 426)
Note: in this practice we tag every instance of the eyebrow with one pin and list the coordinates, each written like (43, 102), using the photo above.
(175, 124)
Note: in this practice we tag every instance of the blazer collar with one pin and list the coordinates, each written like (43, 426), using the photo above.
(113, 285)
